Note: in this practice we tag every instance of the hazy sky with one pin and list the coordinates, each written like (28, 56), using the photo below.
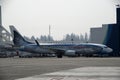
(33, 17)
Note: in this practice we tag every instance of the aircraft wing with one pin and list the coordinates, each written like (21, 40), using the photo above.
(51, 49)
(56, 50)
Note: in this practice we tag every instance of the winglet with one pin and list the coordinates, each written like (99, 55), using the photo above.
(37, 42)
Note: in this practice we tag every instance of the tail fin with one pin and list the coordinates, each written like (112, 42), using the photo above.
(18, 40)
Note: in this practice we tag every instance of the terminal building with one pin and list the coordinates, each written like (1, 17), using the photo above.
(108, 34)
(98, 34)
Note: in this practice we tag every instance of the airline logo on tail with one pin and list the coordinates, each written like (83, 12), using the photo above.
(18, 40)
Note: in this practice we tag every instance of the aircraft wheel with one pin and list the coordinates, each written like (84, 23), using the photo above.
(20, 56)
(59, 55)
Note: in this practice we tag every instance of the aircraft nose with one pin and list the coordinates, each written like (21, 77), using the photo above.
(107, 50)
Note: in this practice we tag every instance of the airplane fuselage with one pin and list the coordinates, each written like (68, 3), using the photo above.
(68, 49)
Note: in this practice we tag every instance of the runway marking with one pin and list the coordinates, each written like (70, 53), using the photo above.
(83, 73)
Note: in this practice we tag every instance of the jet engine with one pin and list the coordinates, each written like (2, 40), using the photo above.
(70, 53)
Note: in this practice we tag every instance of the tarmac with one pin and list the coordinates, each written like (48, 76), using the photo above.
(65, 68)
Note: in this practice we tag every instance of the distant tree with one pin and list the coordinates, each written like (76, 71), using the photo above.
(32, 38)
(71, 37)
(81, 38)
(38, 39)
(50, 38)
(67, 37)
(86, 37)
(46, 38)
(43, 38)
(27, 38)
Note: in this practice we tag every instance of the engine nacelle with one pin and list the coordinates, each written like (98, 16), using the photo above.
(70, 53)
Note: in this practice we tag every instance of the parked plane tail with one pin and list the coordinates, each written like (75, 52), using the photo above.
(18, 40)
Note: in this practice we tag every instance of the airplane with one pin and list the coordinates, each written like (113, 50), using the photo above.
(85, 49)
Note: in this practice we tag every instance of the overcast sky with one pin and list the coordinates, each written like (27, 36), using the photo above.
(33, 17)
